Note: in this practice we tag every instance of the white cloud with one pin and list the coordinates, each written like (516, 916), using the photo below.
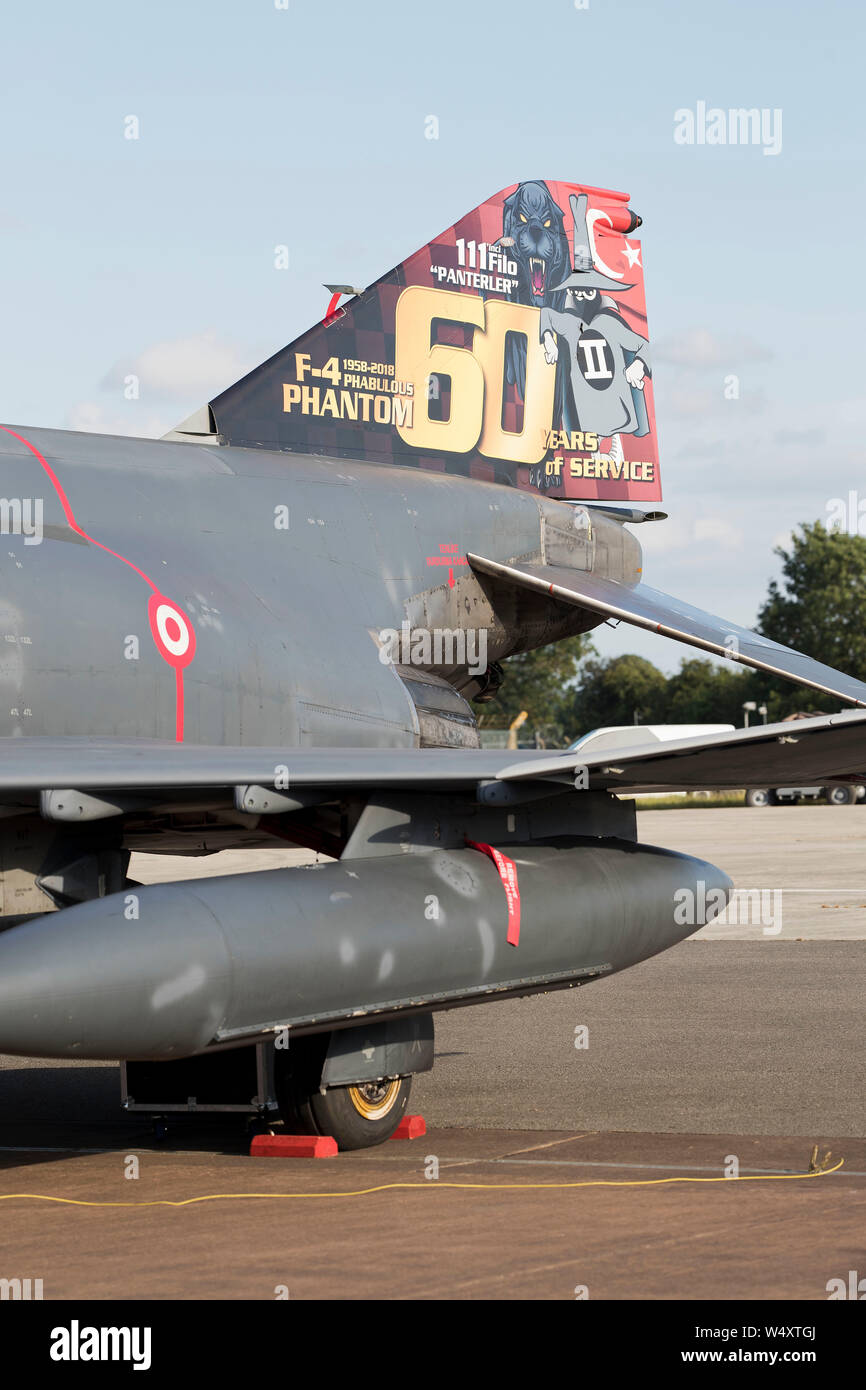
(698, 349)
(664, 537)
(719, 532)
(93, 418)
(689, 396)
(686, 400)
(197, 367)
(849, 415)
(805, 437)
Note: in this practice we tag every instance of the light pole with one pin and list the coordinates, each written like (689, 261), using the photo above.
(749, 705)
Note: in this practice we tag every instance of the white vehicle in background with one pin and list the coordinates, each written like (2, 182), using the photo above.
(780, 796)
(628, 735)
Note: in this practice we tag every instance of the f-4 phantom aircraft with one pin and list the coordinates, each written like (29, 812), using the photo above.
(273, 627)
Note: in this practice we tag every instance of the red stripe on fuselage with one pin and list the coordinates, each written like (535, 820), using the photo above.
(79, 530)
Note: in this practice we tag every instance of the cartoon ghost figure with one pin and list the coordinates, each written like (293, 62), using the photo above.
(607, 360)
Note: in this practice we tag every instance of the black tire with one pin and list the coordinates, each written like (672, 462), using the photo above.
(840, 796)
(758, 796)
(361, 1116)
(357, 1117)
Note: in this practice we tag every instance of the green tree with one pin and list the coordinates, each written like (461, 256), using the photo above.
(621, 690)
(817, 608)
(539, 682)
(704, 693)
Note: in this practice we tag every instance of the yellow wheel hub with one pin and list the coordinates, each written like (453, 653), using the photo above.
(374, 1099)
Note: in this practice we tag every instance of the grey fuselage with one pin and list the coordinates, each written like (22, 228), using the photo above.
(288, 566)
(276, 576)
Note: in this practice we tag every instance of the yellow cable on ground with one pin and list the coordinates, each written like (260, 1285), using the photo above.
(426, 1185)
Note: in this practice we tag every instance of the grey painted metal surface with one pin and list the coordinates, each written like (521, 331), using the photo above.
(286, 570)
(228, 959)
(832, 745)
(400, 1046)
(197, 632)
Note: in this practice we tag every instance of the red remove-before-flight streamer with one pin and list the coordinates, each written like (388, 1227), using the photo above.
(507, 870)
(171, 629)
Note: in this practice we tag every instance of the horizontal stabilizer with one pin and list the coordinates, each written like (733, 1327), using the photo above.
(671, 617)
(805, 752)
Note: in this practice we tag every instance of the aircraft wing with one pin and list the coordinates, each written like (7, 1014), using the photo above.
(657, 612)
(85, 779)
(805, 752)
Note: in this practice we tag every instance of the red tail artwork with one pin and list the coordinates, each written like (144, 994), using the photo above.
(512, 348)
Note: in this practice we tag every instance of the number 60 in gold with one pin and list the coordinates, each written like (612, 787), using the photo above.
(477, 375)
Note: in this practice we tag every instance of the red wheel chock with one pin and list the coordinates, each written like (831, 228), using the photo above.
(410, 1127)
(293, 1146)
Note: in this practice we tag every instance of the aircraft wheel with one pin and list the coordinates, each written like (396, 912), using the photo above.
(357, 1117)
(841, 796)
(758, 796)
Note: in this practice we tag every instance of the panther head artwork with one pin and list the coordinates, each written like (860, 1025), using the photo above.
(533, 231)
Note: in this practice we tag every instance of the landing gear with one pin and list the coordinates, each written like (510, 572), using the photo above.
(356, 1116)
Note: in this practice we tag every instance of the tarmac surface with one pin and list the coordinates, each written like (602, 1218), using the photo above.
(496, 1238)
(808, 862)
(747, 1050)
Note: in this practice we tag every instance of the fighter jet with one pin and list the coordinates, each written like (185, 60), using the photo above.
(274, 628)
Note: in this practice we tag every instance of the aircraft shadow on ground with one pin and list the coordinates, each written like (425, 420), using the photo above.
(78, 1108)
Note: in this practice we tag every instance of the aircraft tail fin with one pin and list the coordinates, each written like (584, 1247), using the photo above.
(512, 348)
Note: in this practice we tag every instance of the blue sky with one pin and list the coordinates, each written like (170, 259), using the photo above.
(305, 126)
